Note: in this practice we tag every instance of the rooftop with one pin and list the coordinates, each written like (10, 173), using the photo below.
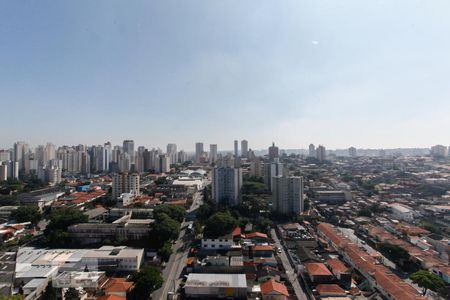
(216, 280)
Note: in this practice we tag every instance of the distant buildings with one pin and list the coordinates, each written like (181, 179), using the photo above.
(172, 153)
(439, 151)
(244, 148)
(312, 150)
(287, 194)
(125, 183)
(198, 152)
(226, 185)
(236, 149)
(321, 153)
(273, 152)
(352, 152)
(212, 153)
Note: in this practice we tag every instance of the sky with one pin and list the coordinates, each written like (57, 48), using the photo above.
(363, 73)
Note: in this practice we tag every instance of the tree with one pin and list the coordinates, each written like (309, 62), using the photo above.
(165, 251)
(27, 214)
(220, 224)
(395, 253)
(166, 228)
(365, 212)
(428, 281)
(176, 212)
(49, 293)
(253, 187)
(56, 231)
(146, 281)
(72, 294)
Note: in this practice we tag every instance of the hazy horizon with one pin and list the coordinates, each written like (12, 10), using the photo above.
(368, 74)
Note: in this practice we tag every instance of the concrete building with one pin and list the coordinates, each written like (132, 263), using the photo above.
(273, 152)
(226, 185)
(125, 183)
(163, 164)
(244, 148)
(3, 171)
(287, 194)
(198, 152)
(21, 155)
(207, 286)
(352, 152)
(273, 169)
(321, 153)
(236, 149)
(212, 153)
(402, 212)
(172, 153)
(439, 151)
(217, 243)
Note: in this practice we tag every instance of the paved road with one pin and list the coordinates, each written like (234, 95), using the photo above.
(176, 263)
(292, 276)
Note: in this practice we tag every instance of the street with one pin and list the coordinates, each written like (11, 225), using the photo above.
(292, 276)
(176, 263)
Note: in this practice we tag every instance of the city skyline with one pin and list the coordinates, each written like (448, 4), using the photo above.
(340, 74)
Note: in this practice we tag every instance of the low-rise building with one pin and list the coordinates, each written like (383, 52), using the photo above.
(206, 286)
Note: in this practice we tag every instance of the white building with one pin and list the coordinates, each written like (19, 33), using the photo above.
(219, 243)
(3, 172)
(273, 169)
(312, 150)
(402, 212)
(163, 164)
(287, 194)
(125, 183)
(227, 286)
(226, 185)
(439, 151)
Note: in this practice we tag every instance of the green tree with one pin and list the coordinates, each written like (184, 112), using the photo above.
(27, 214)
(146, 281)
(252, 187)
(427, 281)
(176, 212)
(49, 293)
(395, 253)
(165, 251)
(72, 294)
(166, 228)
(220, 224)
(365, 212)
(56, 231)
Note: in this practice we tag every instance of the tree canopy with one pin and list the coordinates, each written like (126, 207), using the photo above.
(146, 281)
(220, 224)
(27, 214)
(176, 212)
(428, 281)
(393, 252)
(166, 228)
(72, 294)
(56, 231)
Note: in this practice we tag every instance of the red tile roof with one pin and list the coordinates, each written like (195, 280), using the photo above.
(271, 286)
(115, 285)
(237, 231)
(317, 269)
(337, 266)
(262, 248)
(256, 235)
(330, 290)
(111, 297)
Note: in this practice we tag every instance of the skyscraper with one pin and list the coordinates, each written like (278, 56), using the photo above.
(226, 185)
(172, 153)
(273, 152)
(236, 149)
(287, 194)
(352, 152)
(21, 153)
(312, 150)
(321, 153)
(272, 169)
(244, 148)
(128, 147)
(212, 153)
(198, 152)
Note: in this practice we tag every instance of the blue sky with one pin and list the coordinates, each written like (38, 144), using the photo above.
(340, 73)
